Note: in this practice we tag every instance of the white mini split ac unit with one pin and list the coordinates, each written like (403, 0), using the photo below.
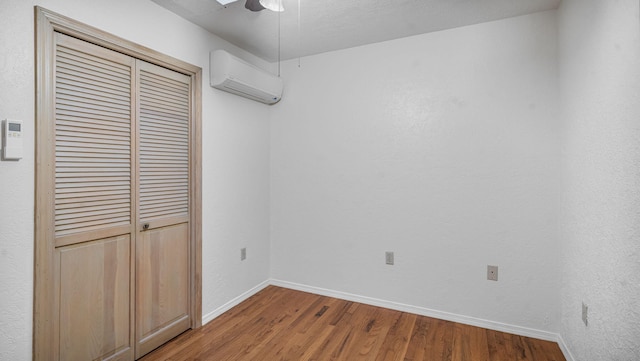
(236, 76)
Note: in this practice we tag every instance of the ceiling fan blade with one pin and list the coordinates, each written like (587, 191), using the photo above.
(254, 5)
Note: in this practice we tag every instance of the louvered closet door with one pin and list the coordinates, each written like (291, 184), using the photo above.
(93, 202)
(162, 279)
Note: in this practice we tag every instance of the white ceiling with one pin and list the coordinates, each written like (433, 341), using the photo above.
(327, 25)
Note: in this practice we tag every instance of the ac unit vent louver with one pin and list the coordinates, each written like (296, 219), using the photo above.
(236, 76)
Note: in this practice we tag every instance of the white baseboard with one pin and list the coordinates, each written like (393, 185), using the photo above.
(565, 350)
(234, 302)
(467, 320)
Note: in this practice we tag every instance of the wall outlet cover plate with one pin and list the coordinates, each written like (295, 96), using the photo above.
(492, 273)
(388, 258)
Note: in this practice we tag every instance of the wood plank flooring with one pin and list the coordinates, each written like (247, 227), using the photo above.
(281, 324)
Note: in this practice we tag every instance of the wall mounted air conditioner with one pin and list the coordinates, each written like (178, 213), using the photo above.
(236, 76)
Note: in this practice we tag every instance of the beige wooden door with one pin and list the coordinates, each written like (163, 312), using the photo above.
(162, 252)
(94, 208)
(122, 186)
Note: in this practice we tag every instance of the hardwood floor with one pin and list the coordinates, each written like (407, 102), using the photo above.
(282, 324)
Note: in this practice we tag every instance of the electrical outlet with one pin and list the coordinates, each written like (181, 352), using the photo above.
(243, 254)
(388, 256)
(585, 310)
(492, 273)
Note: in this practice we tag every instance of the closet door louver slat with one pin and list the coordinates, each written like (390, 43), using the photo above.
(164, 111)
(93, 142)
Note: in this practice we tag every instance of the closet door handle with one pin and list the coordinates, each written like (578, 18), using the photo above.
(145, 227)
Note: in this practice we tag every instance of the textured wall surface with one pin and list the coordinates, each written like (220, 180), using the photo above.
(442, 148)
(16, 207)
(600, 229)
(235, 158)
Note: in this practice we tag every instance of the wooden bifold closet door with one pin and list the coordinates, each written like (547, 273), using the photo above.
(122, 196)
(162, 251)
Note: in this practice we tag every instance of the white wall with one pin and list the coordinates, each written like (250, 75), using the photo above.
(235, 158)
(600, 226)
(442, 148)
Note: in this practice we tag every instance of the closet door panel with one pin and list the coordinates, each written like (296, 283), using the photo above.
(163, 247)
(164, 112)
(162, 285)
(93, 202)
(93, 179)
(95, 300)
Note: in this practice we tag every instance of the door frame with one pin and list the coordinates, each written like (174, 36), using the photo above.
(48, 23)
